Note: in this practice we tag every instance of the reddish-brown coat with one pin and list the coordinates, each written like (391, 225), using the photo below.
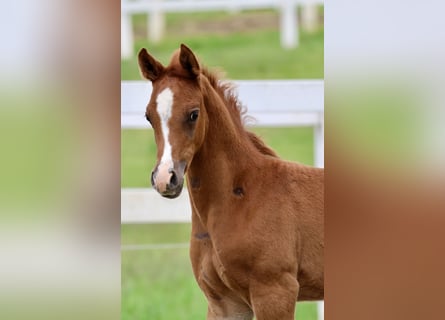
(257, 221)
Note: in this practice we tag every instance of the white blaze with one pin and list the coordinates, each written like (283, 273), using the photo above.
(164, 108)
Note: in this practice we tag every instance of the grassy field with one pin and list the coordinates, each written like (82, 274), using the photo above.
(158, 284)
(246, 53)
(244, 56)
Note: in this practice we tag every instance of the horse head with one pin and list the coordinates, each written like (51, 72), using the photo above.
(177, 114)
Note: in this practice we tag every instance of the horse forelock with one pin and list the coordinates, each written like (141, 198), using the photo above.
(174, 68)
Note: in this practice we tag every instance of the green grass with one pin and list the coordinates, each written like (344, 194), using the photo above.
(245, 53)
(155, 233)
(138, 151)
(243, 56)
(159, 284)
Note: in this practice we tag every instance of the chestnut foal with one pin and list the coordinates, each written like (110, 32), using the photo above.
(257, 221)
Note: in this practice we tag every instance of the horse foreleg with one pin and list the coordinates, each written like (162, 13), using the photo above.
(275, 299)
(228, 310)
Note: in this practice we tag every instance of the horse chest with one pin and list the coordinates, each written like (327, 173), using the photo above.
(217, 275)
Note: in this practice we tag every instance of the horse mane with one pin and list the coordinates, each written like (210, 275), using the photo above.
(226, 90)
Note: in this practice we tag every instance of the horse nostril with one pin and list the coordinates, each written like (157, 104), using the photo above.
(152, 178)
(173, 179)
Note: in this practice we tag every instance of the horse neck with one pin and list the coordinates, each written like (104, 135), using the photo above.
(226, 151)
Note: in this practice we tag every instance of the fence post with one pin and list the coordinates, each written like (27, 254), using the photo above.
(288, 24)
(309, 17)
(320, 310)
(319, 142)
(126, 36)
(156, 22)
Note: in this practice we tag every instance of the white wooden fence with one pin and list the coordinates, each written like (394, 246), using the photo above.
(156, 8)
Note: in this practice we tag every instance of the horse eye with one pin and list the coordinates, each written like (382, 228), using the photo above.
(193, 115)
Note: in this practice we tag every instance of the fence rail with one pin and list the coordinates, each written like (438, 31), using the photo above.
(269, 102)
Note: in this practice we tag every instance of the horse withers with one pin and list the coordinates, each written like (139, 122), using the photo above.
(257, 235)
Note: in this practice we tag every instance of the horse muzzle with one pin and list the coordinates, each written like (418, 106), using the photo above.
(168, 179)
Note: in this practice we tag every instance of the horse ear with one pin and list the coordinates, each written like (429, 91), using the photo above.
(150, 68)
(188, 61)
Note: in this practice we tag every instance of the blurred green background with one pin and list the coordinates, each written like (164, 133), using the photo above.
(158, 283)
